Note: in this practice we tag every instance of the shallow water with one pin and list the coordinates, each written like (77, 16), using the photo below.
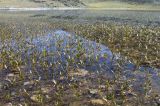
(102, 57)
(61, 47)
(134, 17)
(68, 45)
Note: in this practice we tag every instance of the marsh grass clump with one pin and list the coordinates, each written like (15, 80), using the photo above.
(140, 44)
(32, 75)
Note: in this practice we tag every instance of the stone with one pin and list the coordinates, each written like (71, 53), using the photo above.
(36, 98)
(11, 77)
(102, 86)
(8, 104)
(93, 91)
(45, 89)
(79, 72)
(97, 102)
(28, 83)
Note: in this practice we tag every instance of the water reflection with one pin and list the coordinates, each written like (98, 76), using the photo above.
(98, 57)
(71, 42)
(67, 49)
(88, 54)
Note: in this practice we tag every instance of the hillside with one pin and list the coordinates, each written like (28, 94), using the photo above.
(41, 3)
(133, 4)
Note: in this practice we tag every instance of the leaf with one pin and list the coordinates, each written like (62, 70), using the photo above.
(44, 52)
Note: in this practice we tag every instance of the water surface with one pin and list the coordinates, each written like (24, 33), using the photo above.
(133, 17)
(98, 57)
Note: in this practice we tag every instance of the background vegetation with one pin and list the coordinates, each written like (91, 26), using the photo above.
(77, 3)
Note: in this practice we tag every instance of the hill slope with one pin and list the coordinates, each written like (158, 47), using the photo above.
(41, 3)
(80, 3)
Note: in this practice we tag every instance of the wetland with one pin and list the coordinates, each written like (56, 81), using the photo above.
(80, 58)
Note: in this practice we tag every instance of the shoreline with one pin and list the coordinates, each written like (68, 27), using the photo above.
(73, 8)
(37, 9)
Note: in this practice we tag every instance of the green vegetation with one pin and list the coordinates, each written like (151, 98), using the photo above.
(30, 79)
(143, 1)
(39, 68)
(41, 3)
(124, 5)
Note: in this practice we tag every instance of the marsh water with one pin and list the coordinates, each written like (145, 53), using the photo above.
(63, 46)
(87, 15)
(98, 57)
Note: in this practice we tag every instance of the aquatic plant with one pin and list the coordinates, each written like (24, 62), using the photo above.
(65, 74)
